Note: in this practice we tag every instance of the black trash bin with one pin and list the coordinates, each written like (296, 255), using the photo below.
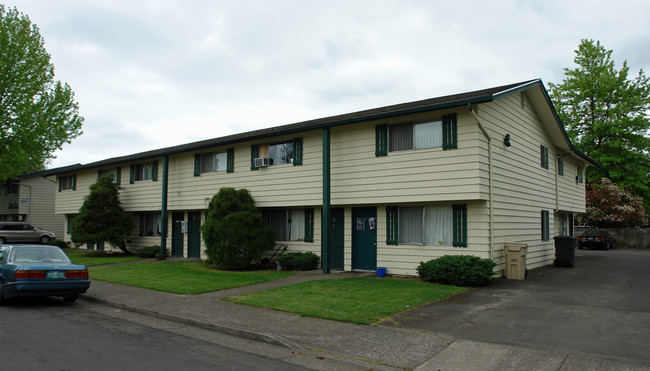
(565, 251)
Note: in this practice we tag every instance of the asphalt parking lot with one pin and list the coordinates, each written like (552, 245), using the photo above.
(601, 306)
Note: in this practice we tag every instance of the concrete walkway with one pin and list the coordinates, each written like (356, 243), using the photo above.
(376, 347)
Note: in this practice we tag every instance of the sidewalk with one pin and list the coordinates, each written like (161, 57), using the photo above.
(382, 347)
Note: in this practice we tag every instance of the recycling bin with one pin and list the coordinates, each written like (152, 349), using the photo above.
(515, 255)
(565, 251)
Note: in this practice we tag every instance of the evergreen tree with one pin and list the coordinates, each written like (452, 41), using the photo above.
(101, 217)
(234, 231)
(606, 117)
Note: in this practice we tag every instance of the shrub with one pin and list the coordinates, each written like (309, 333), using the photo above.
(149, 251)
(239, 239)
(298, 261)
(100, 254)
(457, 270)
(60, 243)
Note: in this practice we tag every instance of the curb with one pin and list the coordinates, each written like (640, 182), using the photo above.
(246, 334)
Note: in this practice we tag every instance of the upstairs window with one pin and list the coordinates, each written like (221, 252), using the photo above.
(11, 189)
(560, 166)
(117, 174)
(68, 183)
(579, 177)
(417, 135)
(281, 153)
(145, 171)
(543, 153)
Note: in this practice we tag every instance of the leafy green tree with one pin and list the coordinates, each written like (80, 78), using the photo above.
(234, 231)
(101, 217)
(611, 206)
(606, 117)
(37, 114)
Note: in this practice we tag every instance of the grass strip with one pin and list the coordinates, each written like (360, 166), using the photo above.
(362, 300)
(78, 257)
(181, 277)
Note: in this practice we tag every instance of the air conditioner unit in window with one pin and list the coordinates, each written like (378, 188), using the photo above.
(263, 161)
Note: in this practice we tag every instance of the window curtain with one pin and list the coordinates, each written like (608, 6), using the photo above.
(401, 137)
(410, 224)
(428, 135)
(297, 225)
(438, 225)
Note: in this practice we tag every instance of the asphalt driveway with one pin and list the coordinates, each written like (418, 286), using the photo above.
(602, 306)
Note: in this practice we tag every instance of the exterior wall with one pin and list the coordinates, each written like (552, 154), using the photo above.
(35, 204)
(522, 188)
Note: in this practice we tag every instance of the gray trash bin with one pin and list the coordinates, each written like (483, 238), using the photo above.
(515, 255)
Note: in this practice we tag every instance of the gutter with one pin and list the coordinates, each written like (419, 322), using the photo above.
(490, 172)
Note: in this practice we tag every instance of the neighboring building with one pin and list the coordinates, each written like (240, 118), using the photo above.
(460, 174)
(30, 198)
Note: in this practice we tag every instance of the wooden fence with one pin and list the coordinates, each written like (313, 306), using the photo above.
(625, 237)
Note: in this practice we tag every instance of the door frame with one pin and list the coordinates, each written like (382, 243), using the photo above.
(355, 212)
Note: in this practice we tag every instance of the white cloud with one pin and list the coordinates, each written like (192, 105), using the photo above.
(156, 73)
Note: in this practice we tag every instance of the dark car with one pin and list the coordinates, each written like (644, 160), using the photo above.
(596, 238)
(38, 270)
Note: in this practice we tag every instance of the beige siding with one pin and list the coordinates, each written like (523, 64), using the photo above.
(522, 188)
(40, 208)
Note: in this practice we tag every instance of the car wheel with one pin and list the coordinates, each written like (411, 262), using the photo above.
(70, 298)
(44, 240)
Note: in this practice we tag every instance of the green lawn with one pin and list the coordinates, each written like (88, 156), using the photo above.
(363, 300)
(181, 277)
(77, 257)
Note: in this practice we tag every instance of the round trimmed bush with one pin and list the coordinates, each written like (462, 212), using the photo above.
(298, 261)
(457, 270)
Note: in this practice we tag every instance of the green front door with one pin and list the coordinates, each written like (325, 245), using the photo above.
(364, 238)
(194, 235)
(177, 234)
(337, 235)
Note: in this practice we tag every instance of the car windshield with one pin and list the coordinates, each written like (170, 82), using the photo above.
(40, 255)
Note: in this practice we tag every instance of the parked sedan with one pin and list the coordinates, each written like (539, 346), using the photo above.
(596, 238)
(38, 270)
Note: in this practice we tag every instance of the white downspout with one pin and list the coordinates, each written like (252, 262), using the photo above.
(491, 193)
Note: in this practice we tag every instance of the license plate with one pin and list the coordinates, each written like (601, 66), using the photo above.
(54, 275)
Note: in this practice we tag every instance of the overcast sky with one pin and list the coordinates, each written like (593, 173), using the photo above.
(155, 73)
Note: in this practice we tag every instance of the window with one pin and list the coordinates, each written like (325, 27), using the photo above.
(117, 174)
(214, 162)
(291, 224)
(11, 189)
(546, 234)
(69, 222)
(543, 152)
(416, 135)
(281, 153)
(427, 225)
(145, 171)
(68, 183)
(566, 224)
(150, 224)
(560, 166)
(579, 171)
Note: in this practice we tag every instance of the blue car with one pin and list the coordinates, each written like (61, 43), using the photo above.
(38, 270)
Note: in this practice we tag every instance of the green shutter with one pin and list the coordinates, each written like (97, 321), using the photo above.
(297, 151)
(449, 131)
(132, 175)
(460, 225)
(309, 225)
(118, 175)
(255, 151)
(381, 140)
(560, 166)
(392, 225)
(142, 222)
(60, 183)
(197, 164)
(154, 171)
(230, 167)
